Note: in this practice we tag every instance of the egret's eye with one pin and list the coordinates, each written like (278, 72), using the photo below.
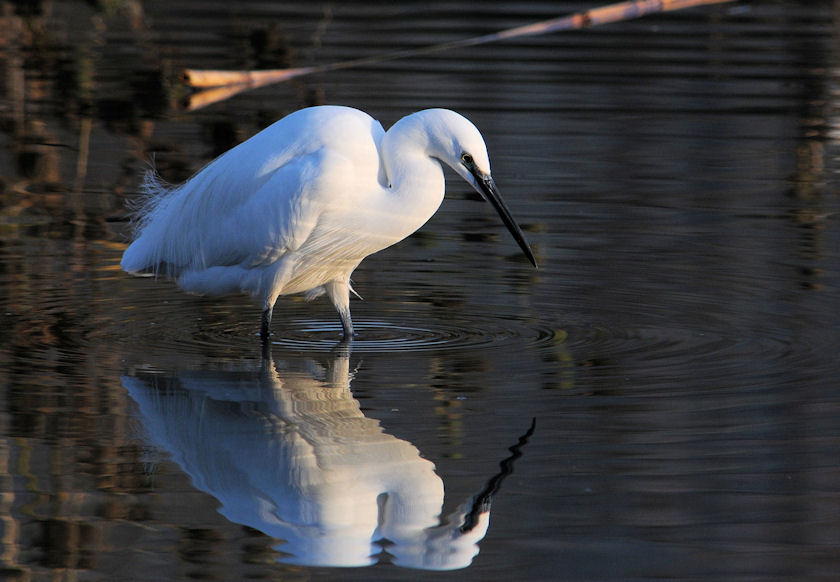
(467, 159)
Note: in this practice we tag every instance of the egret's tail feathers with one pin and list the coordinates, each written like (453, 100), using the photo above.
(156, 249)
(137, 260)
(153, 191)
(143, 258)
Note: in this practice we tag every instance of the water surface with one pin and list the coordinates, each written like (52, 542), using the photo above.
(677, 178)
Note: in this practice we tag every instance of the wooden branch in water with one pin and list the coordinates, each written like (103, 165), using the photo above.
(631, 9)
(221, 78)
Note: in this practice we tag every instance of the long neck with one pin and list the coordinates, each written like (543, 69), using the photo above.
(416, 182)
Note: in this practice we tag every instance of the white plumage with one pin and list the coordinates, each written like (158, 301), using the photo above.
(299, 205)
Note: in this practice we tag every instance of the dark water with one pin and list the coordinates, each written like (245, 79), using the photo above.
(677, 178)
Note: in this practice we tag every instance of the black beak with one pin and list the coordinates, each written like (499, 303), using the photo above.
(491, 194)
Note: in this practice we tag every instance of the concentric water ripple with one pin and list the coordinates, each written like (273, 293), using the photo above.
(719, 350)
(387, 336)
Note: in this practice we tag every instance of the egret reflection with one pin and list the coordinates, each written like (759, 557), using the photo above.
(286, 450)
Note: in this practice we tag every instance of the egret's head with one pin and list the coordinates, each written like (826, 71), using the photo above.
(455, 141)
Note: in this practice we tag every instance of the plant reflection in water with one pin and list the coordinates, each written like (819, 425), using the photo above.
(286, 449)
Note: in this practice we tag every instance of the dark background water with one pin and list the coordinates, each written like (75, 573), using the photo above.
(676, 176)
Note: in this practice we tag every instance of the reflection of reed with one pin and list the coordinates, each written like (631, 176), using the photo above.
(60, 106)
(291, 454)
(9, 527)
(58, 476)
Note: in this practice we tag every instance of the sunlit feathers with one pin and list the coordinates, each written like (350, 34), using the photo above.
(299, 205)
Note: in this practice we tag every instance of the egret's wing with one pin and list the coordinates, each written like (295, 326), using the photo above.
(305, 207)
(237, 210)
(282, 214)
(315, 206)
(264, 198)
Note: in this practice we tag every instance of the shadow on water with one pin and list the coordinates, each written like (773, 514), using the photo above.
(286, 450)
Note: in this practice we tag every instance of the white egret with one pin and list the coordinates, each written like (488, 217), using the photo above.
(299, 205)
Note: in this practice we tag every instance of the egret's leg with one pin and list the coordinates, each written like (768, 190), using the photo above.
(339, 294)
(266, 323)
(272, 281)
(347, 324)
